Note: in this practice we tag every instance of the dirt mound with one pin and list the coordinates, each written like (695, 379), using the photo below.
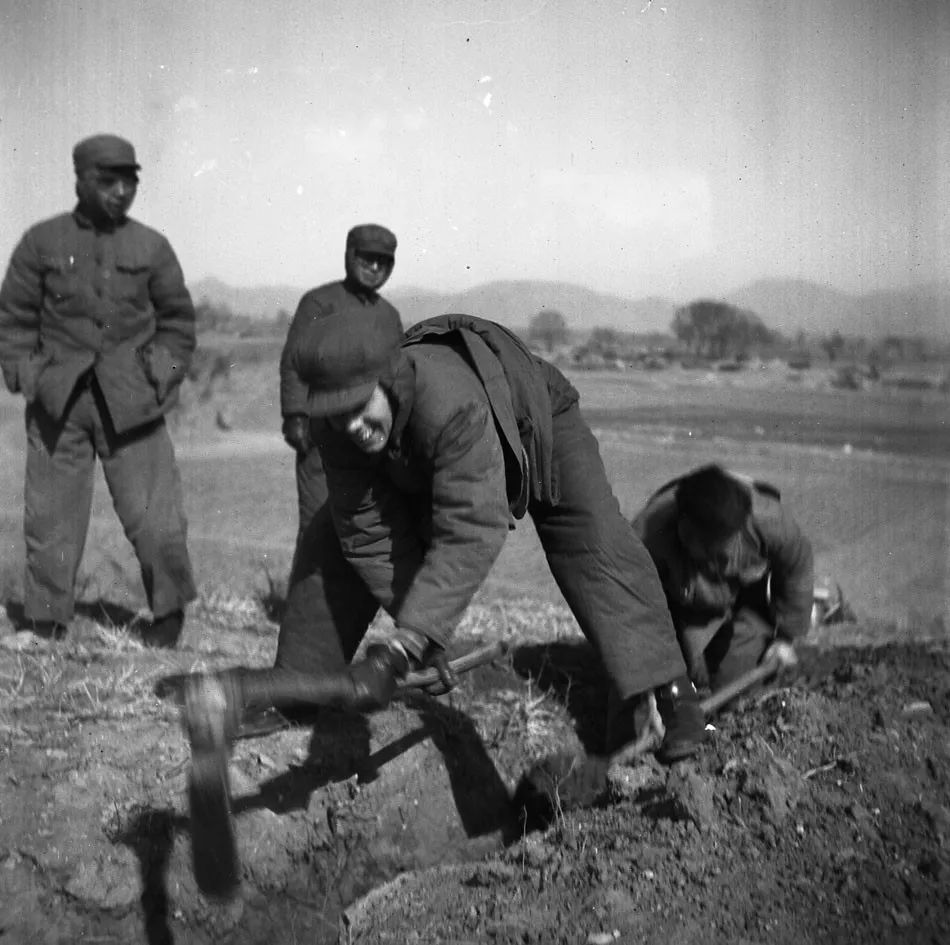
(818, 813)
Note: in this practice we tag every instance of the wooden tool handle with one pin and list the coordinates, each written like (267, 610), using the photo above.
(461, 664)
(713, 703)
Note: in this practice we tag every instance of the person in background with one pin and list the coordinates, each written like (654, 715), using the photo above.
(737, 571)
(368, 262)
(97, 330)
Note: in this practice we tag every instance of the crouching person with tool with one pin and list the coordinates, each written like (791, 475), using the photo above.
(433, 446)
(737, 571)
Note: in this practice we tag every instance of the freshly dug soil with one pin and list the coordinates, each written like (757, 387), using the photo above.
(817, 812)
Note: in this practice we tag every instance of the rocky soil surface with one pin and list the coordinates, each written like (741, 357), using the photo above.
(818, 811)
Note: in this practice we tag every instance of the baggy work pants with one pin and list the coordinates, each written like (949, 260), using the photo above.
(144, 483)
(733, 644)
(311, 489)
(603, 570)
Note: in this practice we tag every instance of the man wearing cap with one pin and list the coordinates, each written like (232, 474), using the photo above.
(433, 447)
(97, 330)
(736, 569)
(368, 262)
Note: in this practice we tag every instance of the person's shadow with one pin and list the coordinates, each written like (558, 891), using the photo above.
(572, 671)
(481, 798)
(106, 613)
(103, 612)
(150, 835)
(338, 750)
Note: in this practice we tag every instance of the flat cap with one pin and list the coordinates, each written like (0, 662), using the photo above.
(372, 238)
(715, 503)
(345, 355)
(104, 151)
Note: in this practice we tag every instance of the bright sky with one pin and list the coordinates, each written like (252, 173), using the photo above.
(640, 148)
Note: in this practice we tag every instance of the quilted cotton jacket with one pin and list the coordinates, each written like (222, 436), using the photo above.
(76, 299)
(771, 547)
(423, 523)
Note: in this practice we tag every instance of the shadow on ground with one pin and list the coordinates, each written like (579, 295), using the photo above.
(338, 753)
(572, 672)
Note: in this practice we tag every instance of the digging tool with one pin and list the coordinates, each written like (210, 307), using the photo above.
(433, 676)
(436, 680)
(566, 781)
(215, 857)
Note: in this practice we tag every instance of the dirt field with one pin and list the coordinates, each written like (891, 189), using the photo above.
(818, 811)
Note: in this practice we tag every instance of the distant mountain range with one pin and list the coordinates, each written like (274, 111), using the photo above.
(786, 305)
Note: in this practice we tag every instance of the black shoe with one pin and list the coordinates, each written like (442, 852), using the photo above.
(682, 715)
(165, 631)
(46, 629)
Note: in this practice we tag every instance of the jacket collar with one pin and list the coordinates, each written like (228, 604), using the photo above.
(84, 222)
(402, 389)
(366, 296)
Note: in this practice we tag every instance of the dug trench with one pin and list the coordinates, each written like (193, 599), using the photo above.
(817, 811)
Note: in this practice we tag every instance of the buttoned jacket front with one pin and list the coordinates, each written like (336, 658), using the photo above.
(114, 302)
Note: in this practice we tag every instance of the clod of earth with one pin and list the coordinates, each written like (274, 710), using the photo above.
(818, 814)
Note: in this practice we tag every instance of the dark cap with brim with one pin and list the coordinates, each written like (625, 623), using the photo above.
(345, 355)
(329, 403)
(107, 151)
(716, 504)
(372, 238)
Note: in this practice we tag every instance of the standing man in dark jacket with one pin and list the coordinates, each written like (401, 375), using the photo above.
(369, 259)
(737, 571)
(97, 330)
(433, 447)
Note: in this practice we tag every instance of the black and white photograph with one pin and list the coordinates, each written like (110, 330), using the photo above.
(474, 472)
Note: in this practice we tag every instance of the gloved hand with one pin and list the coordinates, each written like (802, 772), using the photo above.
(296, 431)
(375, 677)
(783, 653)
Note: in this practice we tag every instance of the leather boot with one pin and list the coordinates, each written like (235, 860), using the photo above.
(165, 632)
(678, 705)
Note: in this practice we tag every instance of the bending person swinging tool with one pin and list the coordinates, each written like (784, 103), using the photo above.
(433, 446)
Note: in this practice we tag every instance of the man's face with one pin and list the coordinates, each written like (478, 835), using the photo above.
(367, 427)
(369, 270)
(107, 193)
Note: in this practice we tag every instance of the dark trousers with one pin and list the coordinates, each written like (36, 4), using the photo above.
(311, 488)
(731, 645)
(328, 608)
(145, 486)
(603, 570)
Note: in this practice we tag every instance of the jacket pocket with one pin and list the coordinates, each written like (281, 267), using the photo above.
(132, 271)
(29, 370)
(60, 276)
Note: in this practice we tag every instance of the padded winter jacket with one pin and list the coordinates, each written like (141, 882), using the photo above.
(324, 300)
(771, 547)
(76, 299)
(424, 522)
